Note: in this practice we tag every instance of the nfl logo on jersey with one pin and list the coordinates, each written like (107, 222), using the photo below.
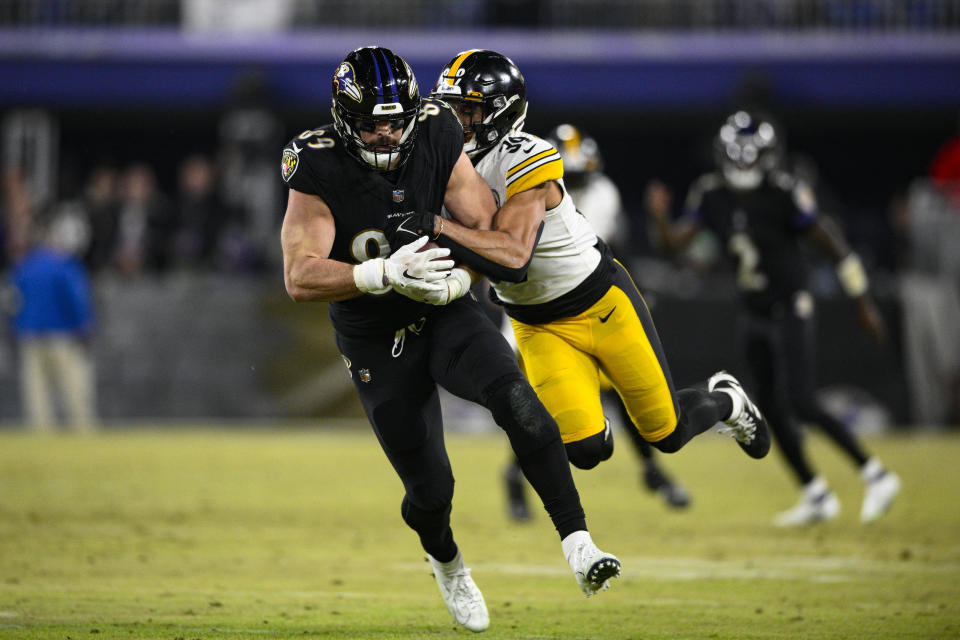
(398, 195)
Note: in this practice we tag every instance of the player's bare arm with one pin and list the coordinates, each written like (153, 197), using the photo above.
(850, 272)
(826, 235)
(468, 197)
(307, 237)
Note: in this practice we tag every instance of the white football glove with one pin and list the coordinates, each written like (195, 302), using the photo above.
(402, 269)
(456, 284)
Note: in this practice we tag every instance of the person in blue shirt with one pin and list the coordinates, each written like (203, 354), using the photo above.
(53, 323)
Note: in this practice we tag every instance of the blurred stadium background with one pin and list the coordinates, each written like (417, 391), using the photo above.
(159, 122)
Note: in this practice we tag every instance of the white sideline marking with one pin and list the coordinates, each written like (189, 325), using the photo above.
(829, 569)
(8, 614)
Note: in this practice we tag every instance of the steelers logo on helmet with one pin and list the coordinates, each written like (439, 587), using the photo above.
(488, 94)
(374, 87)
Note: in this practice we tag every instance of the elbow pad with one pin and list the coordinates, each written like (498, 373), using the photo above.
(489, 268)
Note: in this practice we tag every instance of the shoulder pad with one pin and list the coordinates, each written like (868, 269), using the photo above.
(528, 161)
(430, 107)
(702, 186)
(426, 102)
(783, 179)
(803, 197)
(322, 138)
(307, 147)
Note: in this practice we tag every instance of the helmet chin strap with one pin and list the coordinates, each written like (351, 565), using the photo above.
(471, 147)
(486, 134)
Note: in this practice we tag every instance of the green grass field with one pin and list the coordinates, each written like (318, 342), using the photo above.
(296, 533)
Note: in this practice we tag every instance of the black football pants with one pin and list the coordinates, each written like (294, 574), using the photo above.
(458, 347)
(780, 350)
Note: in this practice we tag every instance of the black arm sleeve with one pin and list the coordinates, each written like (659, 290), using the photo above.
(489, 268)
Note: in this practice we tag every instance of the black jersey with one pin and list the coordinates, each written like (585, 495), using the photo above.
(360, 199)
(761, 230)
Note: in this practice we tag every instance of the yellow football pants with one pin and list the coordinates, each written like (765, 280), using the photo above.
(566, 360)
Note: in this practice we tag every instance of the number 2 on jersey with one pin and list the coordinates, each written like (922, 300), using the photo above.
(748, 276)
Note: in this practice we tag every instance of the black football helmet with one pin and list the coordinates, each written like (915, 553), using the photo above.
(580, 153)
(491, 81)
(746, 149)
(371, 85)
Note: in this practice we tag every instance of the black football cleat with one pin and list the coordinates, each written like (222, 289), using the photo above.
(746, 424)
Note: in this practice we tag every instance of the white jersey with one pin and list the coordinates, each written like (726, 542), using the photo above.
(599, 200)
(565, 254)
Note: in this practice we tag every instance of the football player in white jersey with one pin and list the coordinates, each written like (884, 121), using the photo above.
(598, 198)
(575, 310)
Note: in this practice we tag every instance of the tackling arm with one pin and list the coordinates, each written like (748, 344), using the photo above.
(499, 244)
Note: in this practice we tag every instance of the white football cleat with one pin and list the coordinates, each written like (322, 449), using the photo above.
(881, 488)
(461, 595)
(746, 424)
(592, 568)
(817, 504)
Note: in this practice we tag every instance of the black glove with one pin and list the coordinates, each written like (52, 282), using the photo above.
(405, 228)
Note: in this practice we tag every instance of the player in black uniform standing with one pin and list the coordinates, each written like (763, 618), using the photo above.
(762, 214)
(387, 154)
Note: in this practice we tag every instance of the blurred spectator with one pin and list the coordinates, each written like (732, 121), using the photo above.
(53, 324)
(102, 210)
(202, 214)
(147, 224)
(17, 212)
(928, 220)
(249, 132)
(945, 170)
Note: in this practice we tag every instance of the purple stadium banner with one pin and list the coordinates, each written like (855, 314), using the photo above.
(614, 70)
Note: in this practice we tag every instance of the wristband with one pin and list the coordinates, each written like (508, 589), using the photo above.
(369, 276)
(853, 278)
(459, 282)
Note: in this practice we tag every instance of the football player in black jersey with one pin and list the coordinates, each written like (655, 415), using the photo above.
(352, 182)
(762, 213)
(574, 309)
